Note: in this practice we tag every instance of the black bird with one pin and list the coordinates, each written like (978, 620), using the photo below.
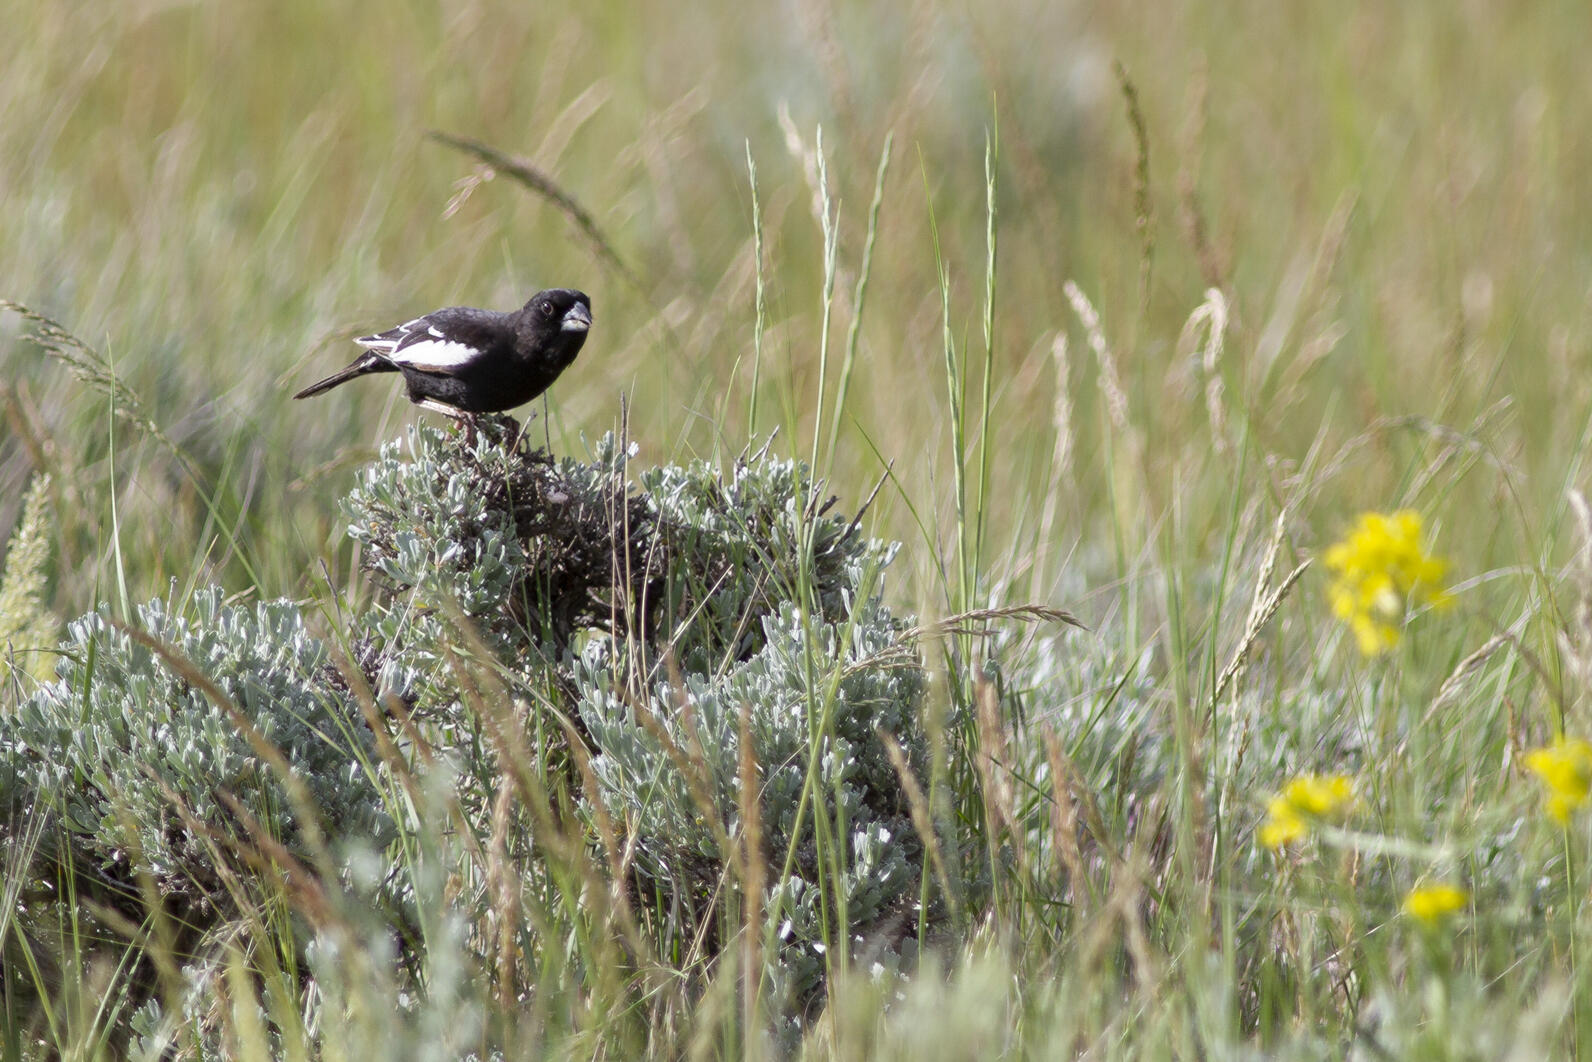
(461, 361)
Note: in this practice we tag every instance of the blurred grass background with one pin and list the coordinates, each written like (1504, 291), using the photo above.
(217, 196)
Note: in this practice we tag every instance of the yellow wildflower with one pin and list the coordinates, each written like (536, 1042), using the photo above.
(1282, 827)
(1432, 904)
(1308, 799)
(1565, 768)
(1378, 572)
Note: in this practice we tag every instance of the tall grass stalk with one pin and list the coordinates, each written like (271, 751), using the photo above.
(757, 323)
(986, 426)
(958, 591)
(829, 228)
(859, 299)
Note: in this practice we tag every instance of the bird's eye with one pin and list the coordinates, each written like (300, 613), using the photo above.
(548, 309)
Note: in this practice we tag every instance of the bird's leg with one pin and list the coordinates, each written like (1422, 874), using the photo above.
(451, 412)
(516, 432)
(465, 421)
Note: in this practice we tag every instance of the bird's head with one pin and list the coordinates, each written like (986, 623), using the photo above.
(559, 317)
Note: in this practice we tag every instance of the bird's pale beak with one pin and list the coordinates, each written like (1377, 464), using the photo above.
(577, 318)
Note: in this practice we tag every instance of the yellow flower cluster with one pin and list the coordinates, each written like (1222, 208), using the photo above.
(1308, 799)
(1378, 572)
(1565, 768)
(1432, 904)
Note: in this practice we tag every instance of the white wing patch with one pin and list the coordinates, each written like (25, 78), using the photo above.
(435, 355)
(415, 352)
(387, 341)
(420, 344)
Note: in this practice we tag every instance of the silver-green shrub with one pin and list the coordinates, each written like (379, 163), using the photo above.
(793, 729)
(647, 611)
(520, 546)
(681, 597)
(121, 740)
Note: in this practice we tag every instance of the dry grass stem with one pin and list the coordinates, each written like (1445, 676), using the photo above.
(528, 174)
(1110, 381)
(1257, 623)
(1061, 409)
(922, 817)
(1211, 318)
(974, 621)
(1142, 210)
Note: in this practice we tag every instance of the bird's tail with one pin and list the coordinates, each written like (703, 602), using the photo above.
(366, 364)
